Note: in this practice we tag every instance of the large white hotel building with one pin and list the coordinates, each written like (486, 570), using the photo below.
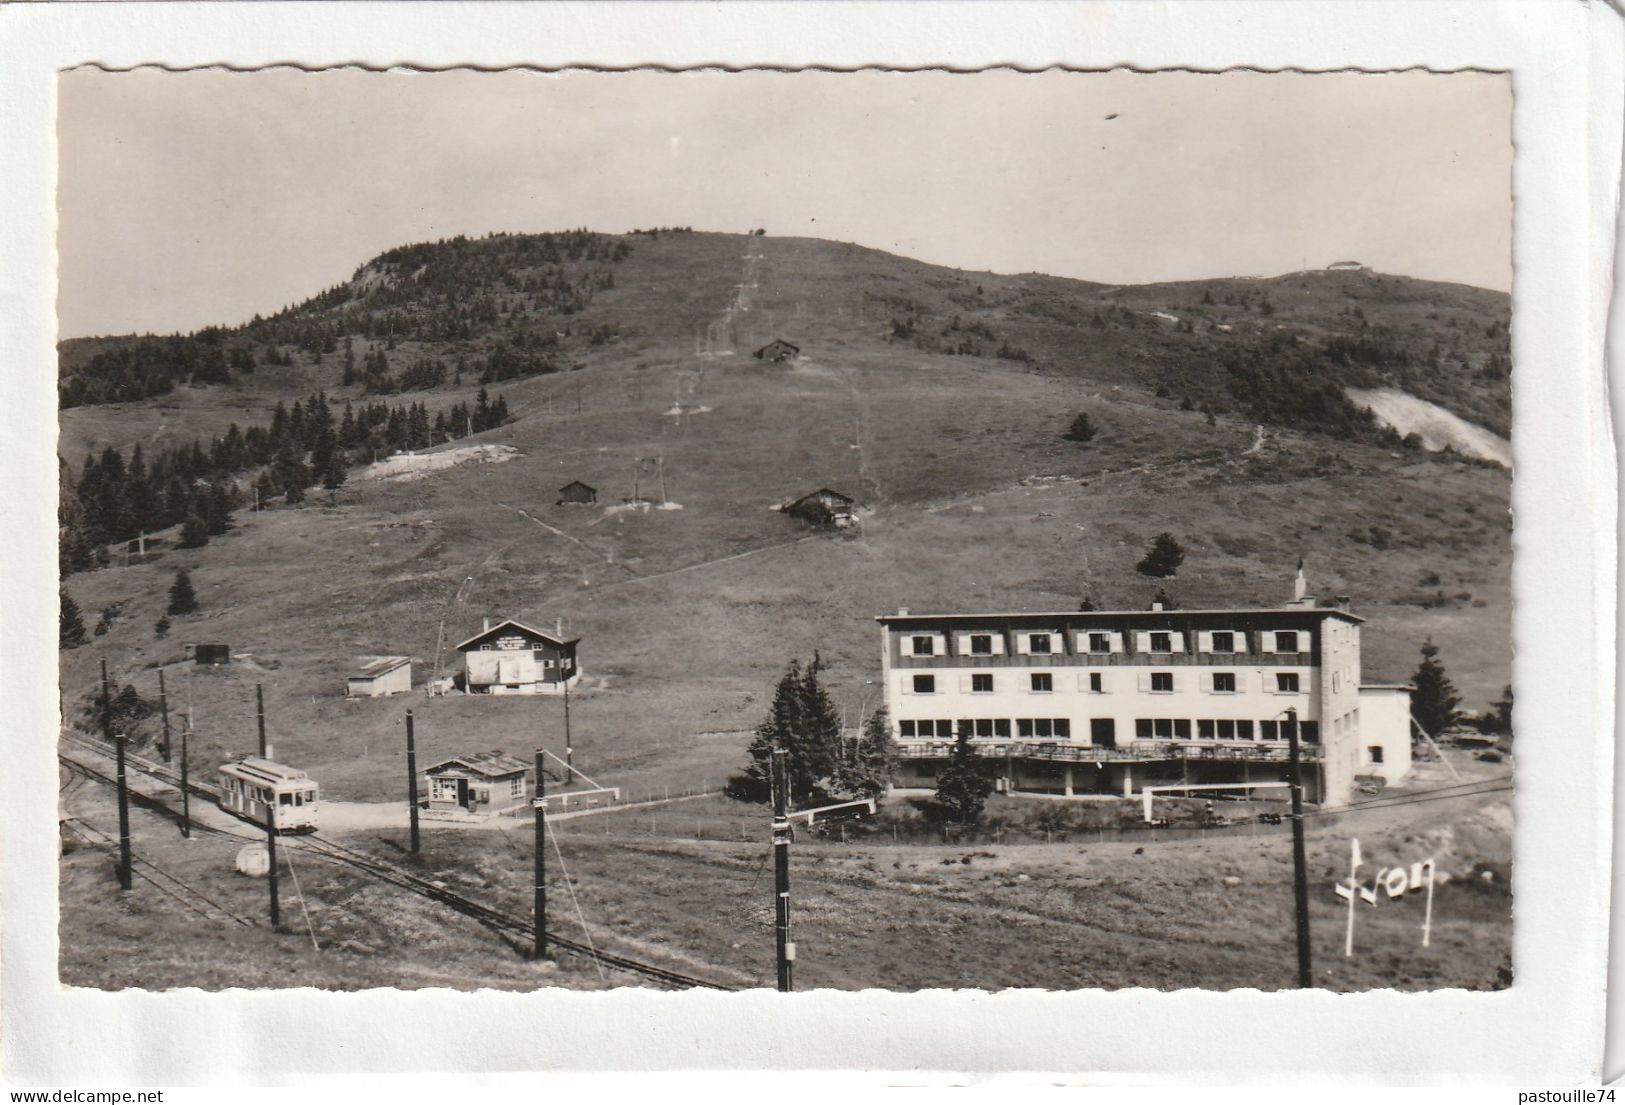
(1108, 702)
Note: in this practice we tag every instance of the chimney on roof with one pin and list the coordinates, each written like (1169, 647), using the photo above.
(902, 611)
(1300, 586)
(558, 628)
(487, 628)
(1156, 605)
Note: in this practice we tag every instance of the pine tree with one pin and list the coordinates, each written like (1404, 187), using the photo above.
(964, 783)
(160, 629)
(802, 720)
(70, 625)
(194, 533)
(1081, 430)
(182, 599)
(866, 769)
(1502, 717)
(217, 504)
(1435, 701)
(334, 473)
(1163, 558)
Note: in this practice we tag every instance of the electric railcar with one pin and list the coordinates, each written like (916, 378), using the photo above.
(262, 791)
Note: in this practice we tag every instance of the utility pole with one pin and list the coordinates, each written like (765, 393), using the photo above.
(186, 786)
(123, 784)
(259, 709)
(660, 466)
(1300, 874)
(163, 705)
(569, 757)
(270, 847)
(123, 818)
(785, 947)
(539, 898)
(412, 782)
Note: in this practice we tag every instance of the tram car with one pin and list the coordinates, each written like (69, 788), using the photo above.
(266, 792)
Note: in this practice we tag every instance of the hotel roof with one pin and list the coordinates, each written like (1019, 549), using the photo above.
(1104, 615)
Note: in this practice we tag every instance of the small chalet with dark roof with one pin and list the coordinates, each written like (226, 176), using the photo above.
(824, 507)
(577, 493)
(778, 350)
(482, 782)
(513, 658)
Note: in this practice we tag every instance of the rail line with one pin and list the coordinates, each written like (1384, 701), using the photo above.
(385, 872)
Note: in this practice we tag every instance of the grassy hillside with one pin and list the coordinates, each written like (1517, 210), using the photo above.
(973, 500)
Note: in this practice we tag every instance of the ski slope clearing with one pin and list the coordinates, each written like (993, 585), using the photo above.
(1437, 427)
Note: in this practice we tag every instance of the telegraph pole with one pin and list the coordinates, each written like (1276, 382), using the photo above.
(412, 782)
(785, 947)
(270, 847)
(163, 705)
(186, 786)
(259, 709)
(123, 784)
(539, 898)
(569, 769)
(1300, 874)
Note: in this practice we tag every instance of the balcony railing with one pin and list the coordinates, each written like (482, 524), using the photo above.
(1114, 660)
(1229, 751)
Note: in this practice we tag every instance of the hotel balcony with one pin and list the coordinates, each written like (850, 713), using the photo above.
(1069, 752)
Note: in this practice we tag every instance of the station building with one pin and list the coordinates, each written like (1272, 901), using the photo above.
(1109, 702)
(513, 658)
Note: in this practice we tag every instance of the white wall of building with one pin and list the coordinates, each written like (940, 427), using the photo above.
(1385, 732)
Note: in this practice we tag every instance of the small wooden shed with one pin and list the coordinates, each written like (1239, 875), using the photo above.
(211, 654)
(480, 782)
(778, 350)
(577, 493)
(382, 676)
(824, 507)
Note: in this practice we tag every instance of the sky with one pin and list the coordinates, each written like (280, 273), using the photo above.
(199, 198)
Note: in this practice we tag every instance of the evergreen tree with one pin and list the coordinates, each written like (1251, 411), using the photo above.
(334, 473)
(1502, 717)
(160, 629)
(964, 783)
(182, 599)
(1435, 701)
(217, 505)
(1163, 558)
(802, 720)
(290, 473)
(265, 489)
(194, 533)
(866, 769)
(1081, 429)
(482, 411)
(70, 626)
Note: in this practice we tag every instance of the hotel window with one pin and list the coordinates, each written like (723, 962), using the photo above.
(1269, 730)
(981, 644)
(1286, 682)
(1286, 642)
(1038, 644)
(1043, 682)
(905, 728)
(1001, 727)
(1095, 685)
(1311, 732)
(1224, 682)
(1205, 729)
(1162, 642)
(1142, 729)
(984, 727)
(1244, 730)
(1227, 729)
(1162, 682)
(1100, 642)
(925, 684)
(1376, 753)
(1224, 642)
(924, 646)
(981, 683)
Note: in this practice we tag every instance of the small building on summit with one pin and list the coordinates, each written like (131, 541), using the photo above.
(513, 658)
(384, 675)
(577, 493)
(778, 350)
(482, 782)
(824, 508)
(1345, 266)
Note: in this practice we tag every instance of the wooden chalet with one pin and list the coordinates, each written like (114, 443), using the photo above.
(824, 507)
(577, 493)
(513, 658)
(481, 782)
(777, 350)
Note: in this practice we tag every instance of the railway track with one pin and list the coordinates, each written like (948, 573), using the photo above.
(381, 870)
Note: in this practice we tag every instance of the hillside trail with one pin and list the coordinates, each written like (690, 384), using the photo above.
(605, 557)
(1258, 442)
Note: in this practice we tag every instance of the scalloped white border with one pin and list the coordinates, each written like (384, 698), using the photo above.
(1546, 1030)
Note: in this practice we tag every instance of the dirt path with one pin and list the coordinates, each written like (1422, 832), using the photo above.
(605, 557)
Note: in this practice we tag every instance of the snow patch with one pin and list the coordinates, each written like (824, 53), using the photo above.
(1437, 427)
(417, 466)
